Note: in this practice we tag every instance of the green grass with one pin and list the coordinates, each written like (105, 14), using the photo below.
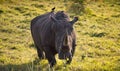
(98, 36)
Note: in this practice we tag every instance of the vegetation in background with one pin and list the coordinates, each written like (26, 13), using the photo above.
(98, 35)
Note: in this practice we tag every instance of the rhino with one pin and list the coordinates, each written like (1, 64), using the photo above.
(53, 33)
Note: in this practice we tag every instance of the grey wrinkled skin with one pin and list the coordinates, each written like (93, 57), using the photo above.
(53, 33)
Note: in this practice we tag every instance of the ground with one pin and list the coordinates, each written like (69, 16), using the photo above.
(98, 35)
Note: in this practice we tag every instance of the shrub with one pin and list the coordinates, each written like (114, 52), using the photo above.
(77, 7)
(1, 11)
(102, 34)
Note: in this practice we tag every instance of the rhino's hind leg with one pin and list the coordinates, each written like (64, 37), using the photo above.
(52, 61)
(41, 54)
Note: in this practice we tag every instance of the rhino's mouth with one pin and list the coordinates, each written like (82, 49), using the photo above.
(65, 56)
(69, 60)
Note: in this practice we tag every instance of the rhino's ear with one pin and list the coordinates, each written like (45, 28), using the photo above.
(74, 20)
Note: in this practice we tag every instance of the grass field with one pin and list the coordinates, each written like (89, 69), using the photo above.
(98, 35)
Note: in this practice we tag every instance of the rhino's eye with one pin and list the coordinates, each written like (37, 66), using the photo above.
(71, 28)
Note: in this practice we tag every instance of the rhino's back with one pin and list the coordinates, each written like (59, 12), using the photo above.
(34, 20)
(41, 30)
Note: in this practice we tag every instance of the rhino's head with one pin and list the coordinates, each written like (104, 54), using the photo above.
(63, 37)
(61, 15)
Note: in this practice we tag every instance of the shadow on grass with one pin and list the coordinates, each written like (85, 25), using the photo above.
(36, 65)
